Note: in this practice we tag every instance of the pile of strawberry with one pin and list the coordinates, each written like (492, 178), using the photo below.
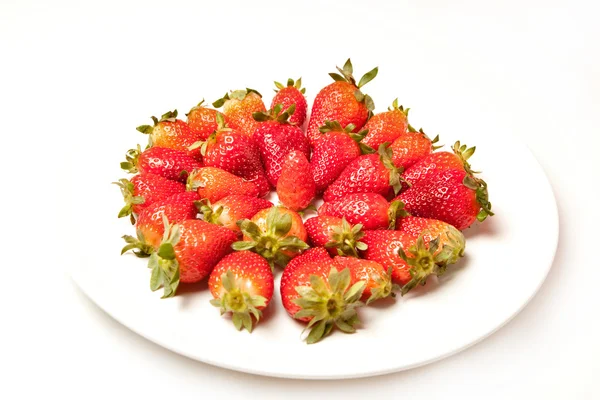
(393, 209)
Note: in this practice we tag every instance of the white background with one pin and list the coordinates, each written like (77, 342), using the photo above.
(66, 69)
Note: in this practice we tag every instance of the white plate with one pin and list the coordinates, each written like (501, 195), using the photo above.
(507, 260)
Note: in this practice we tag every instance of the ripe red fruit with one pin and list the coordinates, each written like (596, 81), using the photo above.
(242, 284)
(168, 163)
(295, 186)
(411, 147)
(439, 161)
(453, 196)
(335, 234)
(293, 93)
(315, 292)
(275, 233)
(412, 260)
(235, 152)
(171, 133)
(143, 190)
(368, 209)
(238, 107)
(386, 126)
(333, 150)
(341, 101)
(276, 138)
(378, 281)
(188, 253)
(214, 184)
(150, 225)
(230, 209)
(371, 173)
(203, 120)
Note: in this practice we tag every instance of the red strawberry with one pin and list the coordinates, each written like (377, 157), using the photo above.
(238, 107)
(188, 253)
(242, 284)
(235, 152)
(412, 260)
(371, 173)
(150, 225)
(203, 120)
(333, 150)
(341, 101)
(336, 234)
(369, 209)
(168, 163)
(171, 133)
(293, 93)
(378, 281)
(315, 292)
(276, 138)
(386, 126)
(439, 161)
(430, 229)
(295, 186)
(214, 184)
(275, 233)
(230, 209)
(143, 190)
(453, 196)
(411, 147)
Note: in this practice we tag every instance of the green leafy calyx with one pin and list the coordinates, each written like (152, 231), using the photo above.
(163, 262)
(276, 114)
(290, 83)
(346, 239)
(473, 182)
(385, 155)
(127, 190)
(329, 303)
(242, 305)
(131, 160)
(273, 243)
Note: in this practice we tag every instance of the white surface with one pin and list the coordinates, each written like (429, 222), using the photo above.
(530, 67)
(496, 278)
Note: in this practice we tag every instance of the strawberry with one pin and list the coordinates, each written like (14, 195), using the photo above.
(295, 186)
(370, 173)
(214, 184)
(276, 138)
(188, 252)
(453, 196)
(336, 234)
(430, 229)
(242, 284)
(143, 190)
(315, 292)
(238, 107)
(341, 101)
(172, 133)
(230, 209)
(293, 93)
(368, 209)
(333, 150)
(150, 226)
(378, 281)
(386, 126)
(411, 147)
(235, 152)
(440, 161)
(203, 120)
(168, 163)
(275, 233)
(412, 260)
